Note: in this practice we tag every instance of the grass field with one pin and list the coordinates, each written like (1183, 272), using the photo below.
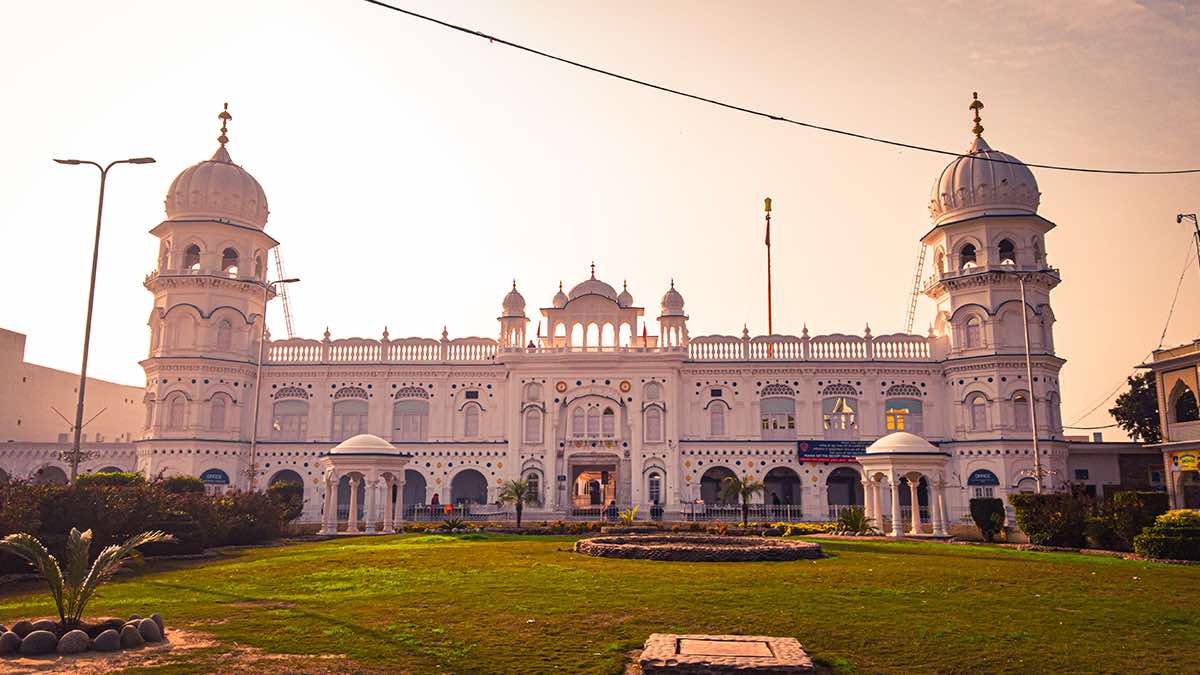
(482, 603)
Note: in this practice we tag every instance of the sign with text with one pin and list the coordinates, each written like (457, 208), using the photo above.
(830, 451)
(215, 477)
(1186, 460)
(983, 478)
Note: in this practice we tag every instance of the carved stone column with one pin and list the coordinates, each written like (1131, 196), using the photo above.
(329, 515)
(897, 521)
(915, 527)
(388, 508)
(939, 524)
(370, 514)
(352, 517)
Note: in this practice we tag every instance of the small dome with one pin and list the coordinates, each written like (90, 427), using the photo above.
(625, 299)
(901, 441)
(514, 302)
(593, 286)
(672, 301)
(364, 443)
(560, 298)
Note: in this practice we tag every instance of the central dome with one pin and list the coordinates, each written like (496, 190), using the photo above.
(218, 189)
(983, 182)
(593, 286)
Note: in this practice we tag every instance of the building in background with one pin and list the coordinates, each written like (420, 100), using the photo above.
(1177, 378)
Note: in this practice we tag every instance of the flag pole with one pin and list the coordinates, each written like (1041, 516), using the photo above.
(767, 211)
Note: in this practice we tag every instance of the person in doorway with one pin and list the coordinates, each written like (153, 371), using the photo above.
(434, 501)
(774, 499)
(610, 512)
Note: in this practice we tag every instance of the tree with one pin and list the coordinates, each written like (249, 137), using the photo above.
(75, 588)
(735, 489)
(518, 493)
(1136, 410)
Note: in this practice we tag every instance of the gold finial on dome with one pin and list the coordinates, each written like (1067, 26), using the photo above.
(767, 204)
(976, 106)
(593, 269)
(224, 116)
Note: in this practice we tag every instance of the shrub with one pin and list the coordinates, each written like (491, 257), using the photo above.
(1175, 535)
(111, 478)
(1056, 519)
(290, 495)
(182, 484)
(988, 514)
(248, 518)
(1123, 516)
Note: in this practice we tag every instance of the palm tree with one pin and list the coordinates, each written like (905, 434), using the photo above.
(73, 591)
(735, 489)
(520, 493)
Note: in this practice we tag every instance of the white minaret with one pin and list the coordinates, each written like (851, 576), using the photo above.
(513, 322)
(672, 323)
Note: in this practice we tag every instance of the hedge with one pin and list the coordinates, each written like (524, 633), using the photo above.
(1054, 519)
(1123, 516)
(1175, 535)
(988, 514)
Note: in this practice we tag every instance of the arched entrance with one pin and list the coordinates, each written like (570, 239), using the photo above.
(50, 475)
(711, 482)
(108, 469)
(843, 489)
(290, 489)
(468, 487)
(343, 496)
(414, 488)
(781, 487)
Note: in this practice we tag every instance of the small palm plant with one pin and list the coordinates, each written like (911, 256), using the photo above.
(72, 591)
(628, 516)
(737, 489)
(519, 493)
(854, 521)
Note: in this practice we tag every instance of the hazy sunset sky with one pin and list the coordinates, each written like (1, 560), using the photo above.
(413, 171)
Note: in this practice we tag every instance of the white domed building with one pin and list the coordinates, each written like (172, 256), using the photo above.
(606, 407)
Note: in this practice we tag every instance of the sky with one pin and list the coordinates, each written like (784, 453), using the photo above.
(412, 171)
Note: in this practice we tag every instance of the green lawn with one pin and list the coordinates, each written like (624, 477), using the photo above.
(503, 604)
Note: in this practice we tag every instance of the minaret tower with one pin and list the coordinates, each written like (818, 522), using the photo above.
(513, 322)
(208, 301)
(987, 238)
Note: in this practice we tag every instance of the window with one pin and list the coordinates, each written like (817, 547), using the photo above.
(966, 257)
(535, 488)
(1055, 413)
(1021, 411)
(224, 331)
(533, 392)
(1081, 474)
(258, 267)
(716, 419)
(216, 415)
(191, 258)
(714, 393)
(973, 333)
(608, 423)
(1008, 252)
(652, 391)
(471, 420)
(471, 394)
(410, 419)
(777, 417)
(349, 418)
(839, 416)
(983, 491)
(593, 422)
(654, 488)
(977, 412)
(903, 414)
(1037, 251)
(289, 420)
(1184, 407)
(229, 262)
(577, 423)
(533, 426)
(177, 409)
(654, 425)
(939, 260)
(1027, 486)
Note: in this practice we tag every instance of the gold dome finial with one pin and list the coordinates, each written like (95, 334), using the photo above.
(767, 204)
(976, 106)
(224, 116)
(593, 269)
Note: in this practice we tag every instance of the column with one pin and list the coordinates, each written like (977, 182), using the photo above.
(939, 525)
(877, 503)
(897, 521)
(868, 506)
(370, 514)
(352, 517)
(329, 515)
(399, 518)
(388, 508)
(915, 528)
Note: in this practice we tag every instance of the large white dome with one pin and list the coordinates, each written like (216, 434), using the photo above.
(218, 189)
(983, 182)
(901, 442)
(593, 286)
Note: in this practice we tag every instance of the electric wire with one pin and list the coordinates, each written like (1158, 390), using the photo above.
(1187, 263)
(759, 113)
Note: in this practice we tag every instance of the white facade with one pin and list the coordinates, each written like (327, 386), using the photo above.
(610, 405)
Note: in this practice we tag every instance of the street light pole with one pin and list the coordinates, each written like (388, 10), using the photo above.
(1037, 459)
(262, 341)
(75, 454)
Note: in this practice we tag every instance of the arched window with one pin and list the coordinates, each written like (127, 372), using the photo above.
(229, 262)
(1037, 251)
(1020, 401)
(1183, 404)
(216, 413)
(164, 256)
(258, 266)
(191, 258)
(1055, 416)
(410, 419)
(289, 420)
(839, 416)
(533, 426)
(176, 412)
(654, 424)
(982, 483)
(224, 335)
(977, 413)
(777, 416)
(148, 399)
(654, 488)
(653, 391)
(939, 260)
(716, 419)
(903, 414)
(535, 487)
(973, 333)
(608, 423)
(593, 422)
(533, 392)
(966, 257)
(471, 420)
(1008, 252)
(577, 423)
(349, 418)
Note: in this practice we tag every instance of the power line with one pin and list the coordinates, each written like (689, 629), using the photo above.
(1106, 426)
(759, 113)
(1187, 262)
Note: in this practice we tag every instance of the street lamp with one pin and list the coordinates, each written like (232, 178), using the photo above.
(87, 326)
(262, 341)
(1037, 459)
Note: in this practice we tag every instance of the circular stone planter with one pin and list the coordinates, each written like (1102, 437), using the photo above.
(698, 548)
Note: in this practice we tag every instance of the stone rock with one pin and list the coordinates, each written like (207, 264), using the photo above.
(108, 641)
(74, 642)
(150, 630)
(3, 629)
(135, 617)
(46, 625)
(130, 637)
(39, 642)
(10, 642)
(22, 628)
(158, 620)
